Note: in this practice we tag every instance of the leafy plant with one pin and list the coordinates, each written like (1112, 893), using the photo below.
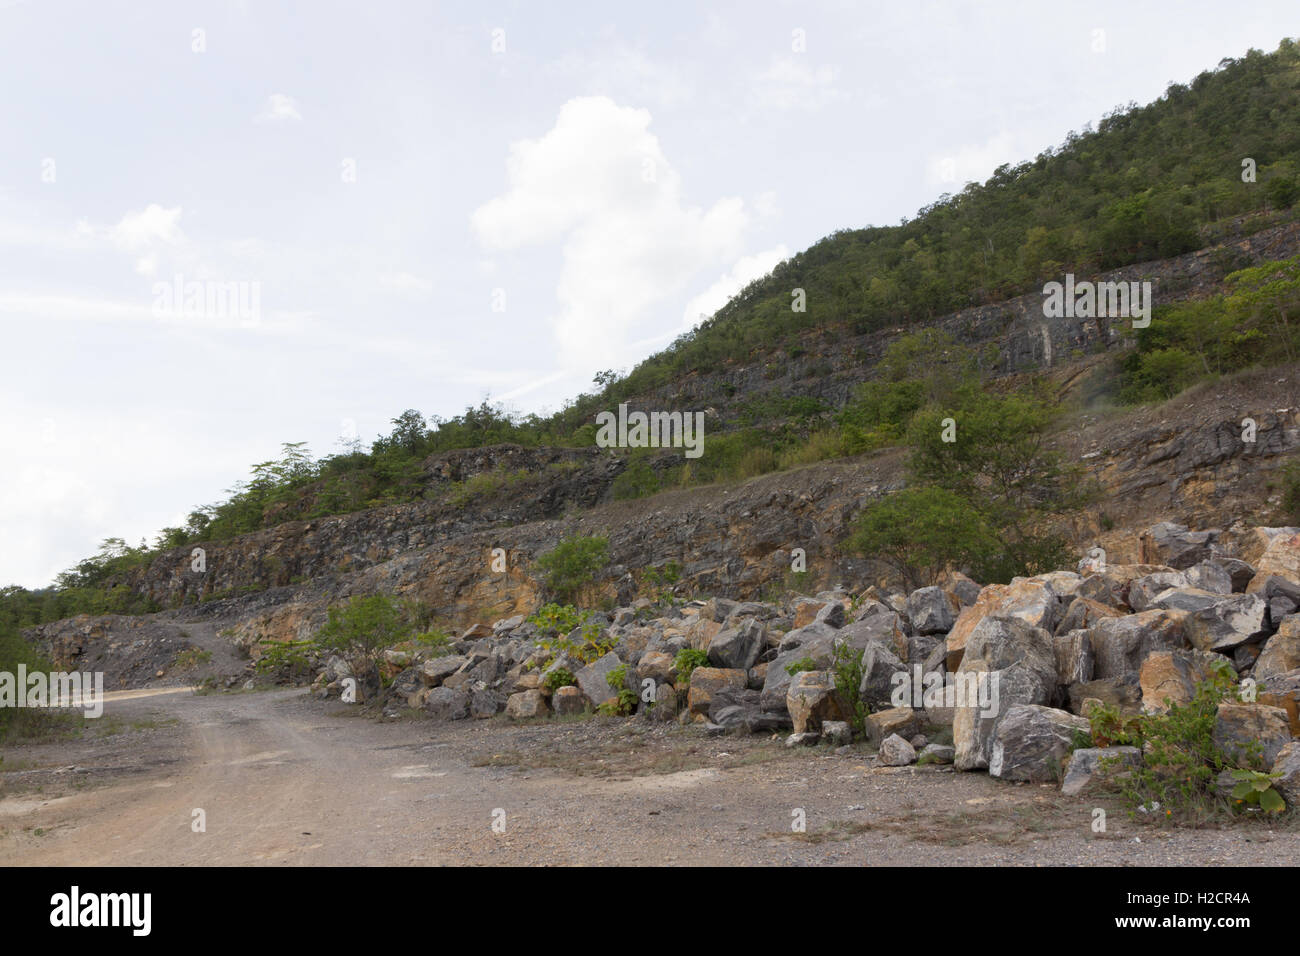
(846, 667)
(1255, 788)
(802, 664)
(557, 678)
(687, 659)
(572, 565)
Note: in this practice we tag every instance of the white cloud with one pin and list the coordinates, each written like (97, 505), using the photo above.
(973, 162)
(790, 83)
(745, 271)
(153, 225)
(406, 284)
(626, 73)
(599, 181)
(278, 109)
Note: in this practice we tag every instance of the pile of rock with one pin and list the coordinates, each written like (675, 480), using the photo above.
(1011, 669)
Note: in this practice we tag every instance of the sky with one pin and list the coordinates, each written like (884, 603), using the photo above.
(227, 225)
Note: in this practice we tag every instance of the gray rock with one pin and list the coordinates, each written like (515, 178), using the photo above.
(1121, 643)
(1032, 741)
(1210, 576)
(802, 740)
(1288, 765)
(896, 752)
(738, 648)
(446, 703)
(937, 753)
(1096, 768)
(592, 679)
(1142, 591)
(1243, 729)
(837, 732)
(879, 667)
(932, 610)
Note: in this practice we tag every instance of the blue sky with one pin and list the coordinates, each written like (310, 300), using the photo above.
(387, 175)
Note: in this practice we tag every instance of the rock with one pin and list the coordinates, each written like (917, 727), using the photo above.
(1017, 663)
(1252, 545)
(476, 632)
(1123, 693)
(702, 632)
(526, 704)
(936, 753)
(1032, 741)
(963, 588)
(1025, 599)
(932, 610)
(739, 648)
(1097, 768)
(446, 703)
(1074, 658)
(568, 700)
(1122, 643)
(806, 611)
(879, 681)
(837, 733)
(896, 752)
(717, 609)
(665, 704)
(406, 683)
(1083, 613)
(398, 659)
(506, 625)
(483, 703)
(832, 614)
(811, 699)
(707, 681)
(1234, 620)
(593, 678)
(1239, 726)
(1174, 546)
(1238, 571)
(897, 720)
(1171, 677)
(656, 666)
(1210, 576)
(740, 710)
(882, 626)
(802, 740)
(1283, 690)
(812, 643)
(1281, 653)
(1288, 765)
(1143, 591)
(1280, 559)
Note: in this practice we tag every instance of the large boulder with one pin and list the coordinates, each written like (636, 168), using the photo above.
(1097, 768)
(1122, 643)
(881, 626)
(880, 667)
(1016, 662)
(1281, 558)
(1283, 690)
(1025, 599)
(1075, 662)
(594, 678)
(739, 647)
(1244, 729)
(707, 681)
(1032, 741)
(903, 721)
(568, 700)
(740, 710)
(1170, 677)
(932, 610)
(812, 699)
(1143, 591)
(1288, 765)
(815, 642)
(526, 704)
(1217, 622)
(1210, 576)
(1282, 652)
(656, 666)
(1082, 613)
(446, 703)
(1173, 545)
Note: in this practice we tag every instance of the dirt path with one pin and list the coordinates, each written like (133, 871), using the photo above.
(288, 780)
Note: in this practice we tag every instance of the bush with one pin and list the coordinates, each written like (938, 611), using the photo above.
(846, 667)
(572, 565)
(365, 626)
(920, 531)
(558, 678)
(687, 659)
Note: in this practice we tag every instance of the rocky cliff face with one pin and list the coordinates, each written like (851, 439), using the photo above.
(1187, 461)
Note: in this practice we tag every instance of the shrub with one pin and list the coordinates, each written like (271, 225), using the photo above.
(802, 664)
(920, 531)
(288, 661)
(573, 564)
(687, 659)
(558, 678)
(558, 624)
(364, 626)
(846, 666)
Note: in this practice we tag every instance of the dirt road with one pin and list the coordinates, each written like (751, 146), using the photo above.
(284, 779)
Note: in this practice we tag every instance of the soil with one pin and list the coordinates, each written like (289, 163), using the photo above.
(283, 778)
